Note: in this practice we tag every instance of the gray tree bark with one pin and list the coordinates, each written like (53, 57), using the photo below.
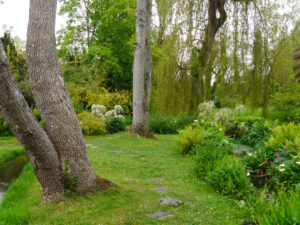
(18, 116)
(142, 70)
(51, 95)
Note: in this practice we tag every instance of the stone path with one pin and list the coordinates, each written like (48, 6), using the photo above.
(166, 201)
(159, 214)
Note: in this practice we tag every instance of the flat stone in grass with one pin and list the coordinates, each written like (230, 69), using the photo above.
(94, 147)
(169, 201)
(117, 151)
(159, 214)
(155, 182)
(158, 178)
(89, 145)
(160, 190)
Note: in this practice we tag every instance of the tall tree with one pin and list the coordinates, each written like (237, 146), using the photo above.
(51, 95)
(142, 69)
(18, 116)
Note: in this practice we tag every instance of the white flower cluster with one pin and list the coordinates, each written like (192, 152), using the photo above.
(100, 112)
(205, 110)
(239, 109)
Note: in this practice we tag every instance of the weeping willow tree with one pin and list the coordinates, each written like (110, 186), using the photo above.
(219, 50)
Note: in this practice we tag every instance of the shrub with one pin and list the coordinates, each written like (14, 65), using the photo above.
(207, 156)
(4, 130)
(90, 124)
(277, 208)
(286, 135)
(115, 125)
(162, 125)
(229, 178)
(189, 137)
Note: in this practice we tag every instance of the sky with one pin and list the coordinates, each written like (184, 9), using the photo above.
(14, 15)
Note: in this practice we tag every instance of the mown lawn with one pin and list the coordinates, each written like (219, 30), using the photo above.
(131, 163)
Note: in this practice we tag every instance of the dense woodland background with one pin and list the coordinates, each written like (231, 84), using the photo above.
(254, 59)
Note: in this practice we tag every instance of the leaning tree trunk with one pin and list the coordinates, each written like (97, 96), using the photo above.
(18, 116)
(204, 53)
(51, 95)
(142, 70)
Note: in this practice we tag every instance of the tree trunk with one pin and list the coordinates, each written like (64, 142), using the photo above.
(142, 70)
(204, 53)
(18, 116)
(51, 95)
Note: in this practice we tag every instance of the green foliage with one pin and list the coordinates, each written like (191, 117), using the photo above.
(277, 208)
(70, 182)
(90, 124)
(96, 44)
(36, 114)
(169, 125)
(207, 156)
(4, 130)
(287, 103)
(285, 135)
(189, 137)
(84, 96)
(6, 155)
(229, 178)
(14, 207)
(115, 124)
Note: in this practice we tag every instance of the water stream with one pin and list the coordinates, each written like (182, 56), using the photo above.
(9, 172)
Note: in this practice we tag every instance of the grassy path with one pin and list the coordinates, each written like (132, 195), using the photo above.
(133, 163)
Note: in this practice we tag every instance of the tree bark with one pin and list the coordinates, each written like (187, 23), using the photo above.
(51, 95)
(204, 53)
(18, 116)
(142, 70)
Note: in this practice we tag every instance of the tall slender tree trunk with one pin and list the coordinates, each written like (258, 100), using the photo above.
(18, 116)
(142, 69)
(51, 95)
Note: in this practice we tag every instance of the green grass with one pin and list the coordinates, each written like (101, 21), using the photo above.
(140, 161)
(9, 149)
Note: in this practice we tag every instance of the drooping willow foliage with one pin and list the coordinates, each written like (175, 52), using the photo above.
(250, 59)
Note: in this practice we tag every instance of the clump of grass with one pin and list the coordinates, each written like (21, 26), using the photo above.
(14, 208)
(6, 155)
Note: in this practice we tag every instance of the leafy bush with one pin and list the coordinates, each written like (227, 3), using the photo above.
(115, 125)
(277, 208)
(229, 178)
(4, 130)
(167, 125)
(207, 156)
(189, 137)
(90, 124)
(162, 125)
(286, 135)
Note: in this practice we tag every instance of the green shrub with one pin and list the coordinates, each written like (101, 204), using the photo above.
(90, 124)
(189, 137)
(281, 208)
(167, 125)
(286, 135)
(162, 125)
(229, 178)
(115, 124)
(4, 130)
(207, 156)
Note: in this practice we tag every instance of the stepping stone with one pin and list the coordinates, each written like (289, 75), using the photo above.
(160, 190)
(142, 158)
(117, 151)
(89, 145)
(158, 178)
(169, 201)
(159, 214)
(155, 182)
(94, 147)
(132, 155)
